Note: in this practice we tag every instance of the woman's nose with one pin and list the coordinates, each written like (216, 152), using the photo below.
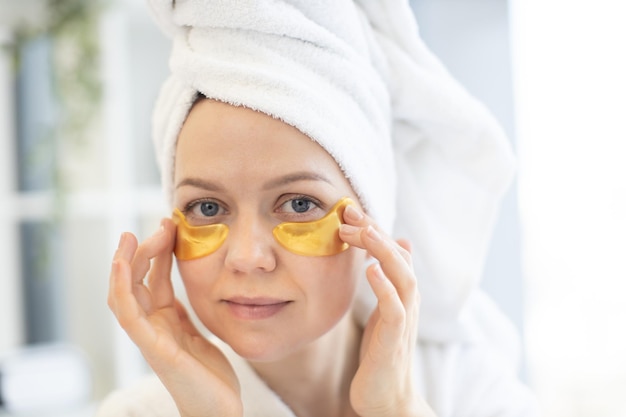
(250, 247)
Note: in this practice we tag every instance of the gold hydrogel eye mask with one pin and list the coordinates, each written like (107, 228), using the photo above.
(193, 242)
(316, 238)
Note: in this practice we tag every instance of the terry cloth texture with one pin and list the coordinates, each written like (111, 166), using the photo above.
(426, 159)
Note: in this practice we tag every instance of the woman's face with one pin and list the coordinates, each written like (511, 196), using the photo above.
(251, 172)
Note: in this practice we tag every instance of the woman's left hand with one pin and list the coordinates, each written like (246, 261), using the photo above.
(383, 384)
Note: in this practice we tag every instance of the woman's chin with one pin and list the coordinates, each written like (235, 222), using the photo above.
(258, 352)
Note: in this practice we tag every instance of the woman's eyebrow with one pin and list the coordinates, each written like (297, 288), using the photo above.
(199, 183)
(295, 177)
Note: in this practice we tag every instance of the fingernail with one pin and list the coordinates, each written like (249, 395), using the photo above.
(122, 236)
(353, 214)
(373, 234)
(349, 229)
(160, 230)
(378, 272)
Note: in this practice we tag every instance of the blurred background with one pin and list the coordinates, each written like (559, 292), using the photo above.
(78, 80)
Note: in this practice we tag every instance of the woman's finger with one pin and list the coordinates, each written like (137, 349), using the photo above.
(391, 311)
(146, 251)
(141, 265)
(355, 221)
(126, 248)
(122, 300)
(159, 278)
(394, 259)
(124, 254)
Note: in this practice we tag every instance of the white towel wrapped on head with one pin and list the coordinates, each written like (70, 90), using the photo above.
(271, 57)
(427, 161)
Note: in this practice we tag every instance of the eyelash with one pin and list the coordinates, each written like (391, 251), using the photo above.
(292, 215)
(189, 207)
(295, 215)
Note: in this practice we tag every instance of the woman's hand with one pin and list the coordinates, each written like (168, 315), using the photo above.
(195, 372)
(383, 384)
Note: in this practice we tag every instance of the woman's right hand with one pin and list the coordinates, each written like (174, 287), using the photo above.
(194, 371)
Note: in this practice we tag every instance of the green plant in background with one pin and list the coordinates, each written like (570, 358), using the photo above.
(70, 29)
(73, 26)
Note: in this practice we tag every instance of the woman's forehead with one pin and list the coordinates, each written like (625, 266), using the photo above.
(218, 138)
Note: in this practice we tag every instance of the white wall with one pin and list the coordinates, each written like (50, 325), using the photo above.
(570, 83)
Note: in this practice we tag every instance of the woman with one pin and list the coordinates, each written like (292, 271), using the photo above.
(274, 114)
(288, 315)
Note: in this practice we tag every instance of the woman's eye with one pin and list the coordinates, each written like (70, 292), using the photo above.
(203, 209)
(300, 205)
(209, 208)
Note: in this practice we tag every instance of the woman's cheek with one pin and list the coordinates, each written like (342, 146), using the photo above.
(198, 283)
(189, 272)
(342, 277)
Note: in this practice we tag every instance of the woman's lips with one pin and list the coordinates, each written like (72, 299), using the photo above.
(256, 308)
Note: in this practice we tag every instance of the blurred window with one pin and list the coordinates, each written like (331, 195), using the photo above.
(77, 169)
(569, 66)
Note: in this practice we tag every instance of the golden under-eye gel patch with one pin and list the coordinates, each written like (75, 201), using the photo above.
(193, 242)
(316, 238)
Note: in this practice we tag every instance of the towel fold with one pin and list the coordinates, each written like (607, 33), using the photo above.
(426, 159)
(274, 58)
